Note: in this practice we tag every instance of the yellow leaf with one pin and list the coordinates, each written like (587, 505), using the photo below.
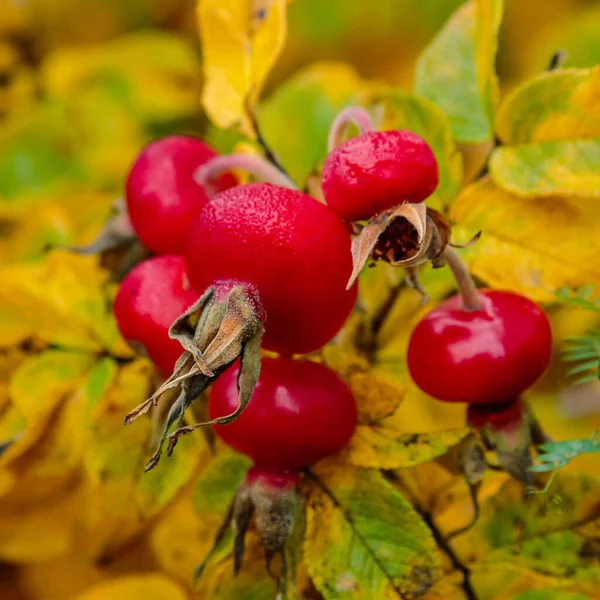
(39, 532)
(155, 71)
(381, 447)
(135, 587)
(241, 41)
(36, 389)
(532, 246)
(62, 300)
(548, 168)
(559, 105)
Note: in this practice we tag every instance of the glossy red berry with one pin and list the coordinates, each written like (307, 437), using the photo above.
(300, 412)
(378, 170)
(505, 415)
(152, 295)
(292, 248)
(162, 196)
(481, 356)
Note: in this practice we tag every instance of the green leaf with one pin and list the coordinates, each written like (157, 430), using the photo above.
(406, 111)
(295, 120)
(365, 541)
(215, 487)
(456, 70)
(549, 168)
(555, 106)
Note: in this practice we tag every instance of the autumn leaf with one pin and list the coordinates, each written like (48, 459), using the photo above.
(241, 42)
(551, 130)
(456, 70)
(135, 587)
(68, 296)
(381, 447)
(534, 246)
(373, 545)
(557, 106)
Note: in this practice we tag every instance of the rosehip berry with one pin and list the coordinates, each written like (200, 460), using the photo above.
(292, 248)
(162, 196)
(152, 295)
(300, 412)
(376, 171)
(480, 356)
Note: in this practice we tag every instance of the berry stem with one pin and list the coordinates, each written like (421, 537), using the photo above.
(349, 116)
(463, 278)
(254, 165)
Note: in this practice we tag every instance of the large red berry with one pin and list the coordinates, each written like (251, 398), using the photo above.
(152, 295)
(378, 170)
(162, 196)
(480, 356)
(292, 248)
(300, 412)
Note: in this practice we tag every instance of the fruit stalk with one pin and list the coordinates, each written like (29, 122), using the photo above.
(253, 165)
(353, 115)
(466, 285)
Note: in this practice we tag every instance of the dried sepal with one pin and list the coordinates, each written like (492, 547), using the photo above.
(389, 235)
(273, 501)
(226, 323)
(116, 233)
(406, 236)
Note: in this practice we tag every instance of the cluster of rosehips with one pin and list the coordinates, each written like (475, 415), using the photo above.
(240, 267)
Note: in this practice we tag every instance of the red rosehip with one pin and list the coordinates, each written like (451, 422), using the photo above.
(162, 196)
(292, 248)
(152, 295)
(480, 356)
(300, 412)
(377, 170)
(504, 415)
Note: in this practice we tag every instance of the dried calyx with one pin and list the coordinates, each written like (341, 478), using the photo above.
(510, 430)
(272, 500)
(225, 324)
(405, 236)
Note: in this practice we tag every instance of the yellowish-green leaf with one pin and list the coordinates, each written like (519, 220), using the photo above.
(546, 594)
(548, 168)
(154, 71)
(382, 447)
(457, 72)
(136, 587)
(555, 106)
(241, 42)
(533, 246)
(36, 389)
(368, 543)
(304, 107)
(405, 111)
(62, 300)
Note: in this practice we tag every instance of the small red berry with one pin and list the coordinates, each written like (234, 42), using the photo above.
(481, 356)
(152, 295)
(376, 171)
(162, 196)
(292, 248)
(300, 412)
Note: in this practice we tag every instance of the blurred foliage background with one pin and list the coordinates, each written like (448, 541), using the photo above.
(84, 84)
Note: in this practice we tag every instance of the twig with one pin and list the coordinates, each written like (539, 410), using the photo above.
(557, 60)
(269, 153)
